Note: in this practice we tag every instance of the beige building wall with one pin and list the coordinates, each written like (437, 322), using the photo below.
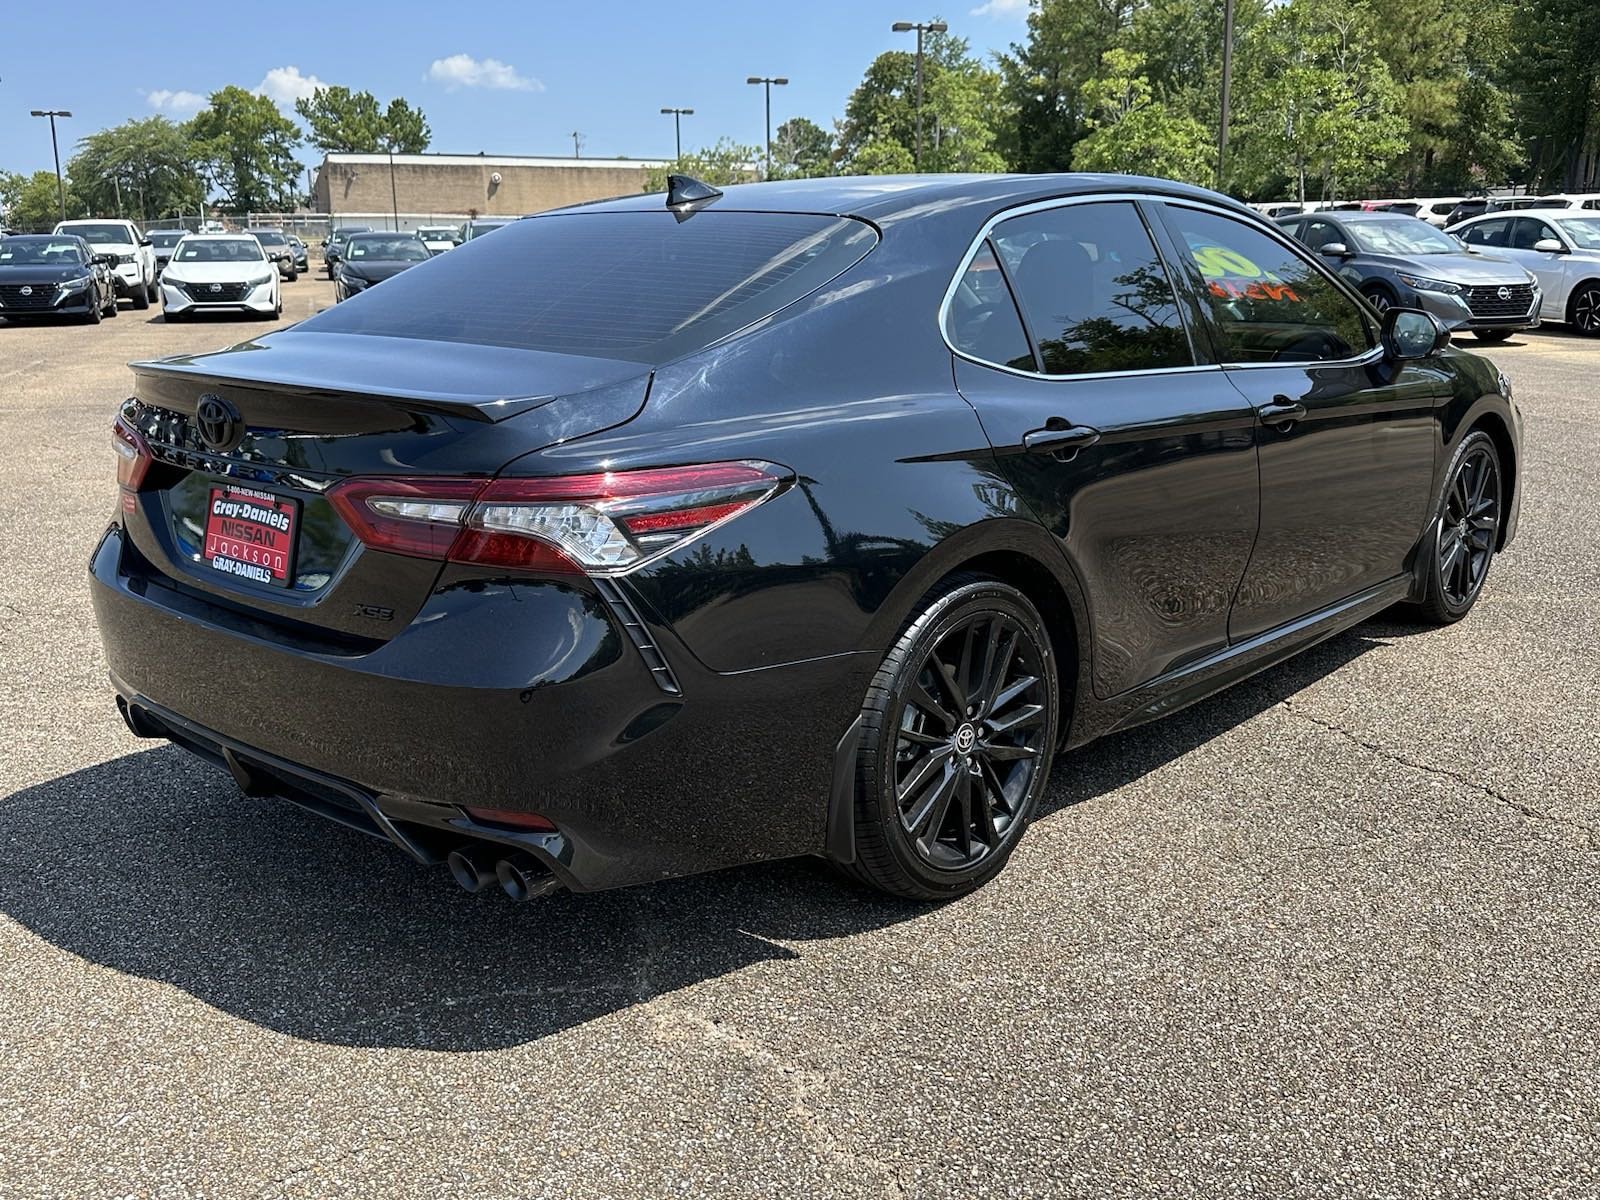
(469, 183)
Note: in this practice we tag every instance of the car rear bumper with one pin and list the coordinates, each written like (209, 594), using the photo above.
(529, 697)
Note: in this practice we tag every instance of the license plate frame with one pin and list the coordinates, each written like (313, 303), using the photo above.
(251, 535)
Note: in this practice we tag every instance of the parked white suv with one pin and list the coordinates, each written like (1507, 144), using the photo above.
(1559, 247)
(134, 272)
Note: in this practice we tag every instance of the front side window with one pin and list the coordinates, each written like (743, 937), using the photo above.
(1269, 302)
(1529, 232)
(1094, 294)
(1322, 233)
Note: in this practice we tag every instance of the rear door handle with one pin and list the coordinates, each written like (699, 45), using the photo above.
(1282, 412)
(1057, 441)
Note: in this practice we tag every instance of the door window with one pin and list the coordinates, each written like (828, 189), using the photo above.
(1320, 233)
(1487, 233)
(1094, 293)
(1529, 231)
(1270, 303)
(983, 320)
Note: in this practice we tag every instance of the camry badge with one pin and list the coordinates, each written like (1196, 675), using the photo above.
(26, 290)
(1504, 293)
(220, 425)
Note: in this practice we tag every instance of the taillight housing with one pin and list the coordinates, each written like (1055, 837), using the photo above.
(133, 455)
(606, 523)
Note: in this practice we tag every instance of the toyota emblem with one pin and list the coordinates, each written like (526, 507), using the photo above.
(1504, 293)
(26, 290)
(216, 287)
(220, 425)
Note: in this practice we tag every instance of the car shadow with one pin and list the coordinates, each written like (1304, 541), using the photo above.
(153, 864)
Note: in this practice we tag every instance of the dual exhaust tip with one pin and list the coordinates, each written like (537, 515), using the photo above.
(519, 875)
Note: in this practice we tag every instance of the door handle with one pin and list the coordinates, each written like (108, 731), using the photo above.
(1057, 441)
(1282, 412)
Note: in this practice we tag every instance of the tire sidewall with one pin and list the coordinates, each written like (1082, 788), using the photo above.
(876, 765)
(1436, 591)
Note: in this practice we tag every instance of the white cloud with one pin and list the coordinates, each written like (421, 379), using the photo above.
(1001, 8)
(462, 70)
(164, 100)
(284, 85)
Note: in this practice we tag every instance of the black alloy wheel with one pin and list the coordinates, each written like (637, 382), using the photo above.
(1467, 530)
(958, 732)
(1586, 310)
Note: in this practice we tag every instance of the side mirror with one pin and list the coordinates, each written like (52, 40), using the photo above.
(1549, 246)
(105, 260)
(1410, 333)
(324, 243)
(1334, 250)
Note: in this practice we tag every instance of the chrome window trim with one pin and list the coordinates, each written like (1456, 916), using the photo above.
(1032, 206)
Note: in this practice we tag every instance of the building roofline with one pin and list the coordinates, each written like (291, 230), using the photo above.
(488, 160)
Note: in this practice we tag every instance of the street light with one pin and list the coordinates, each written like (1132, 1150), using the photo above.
(921, 27)
(53, 113)
(768, 81)
(678, 114)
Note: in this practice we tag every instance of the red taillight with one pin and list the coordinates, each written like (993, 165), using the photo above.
(605, 523)
(516, 819)
(133, 455)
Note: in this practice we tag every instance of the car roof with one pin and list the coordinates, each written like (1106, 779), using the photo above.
(41, 237)
(382, 233)
(887, 197)
(219, 237)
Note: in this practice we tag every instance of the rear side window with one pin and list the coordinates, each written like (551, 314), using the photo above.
(1092, 290)
(642, 286)
(1269, 303)
(983, 319)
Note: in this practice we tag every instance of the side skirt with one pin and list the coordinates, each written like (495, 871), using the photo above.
(1186, 685)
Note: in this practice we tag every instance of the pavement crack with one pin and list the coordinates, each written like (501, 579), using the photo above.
(1590, 835)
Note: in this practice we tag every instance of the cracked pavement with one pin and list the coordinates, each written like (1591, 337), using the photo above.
(1330, 934)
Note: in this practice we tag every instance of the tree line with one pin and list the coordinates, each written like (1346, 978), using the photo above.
(1329, 98)
(237, 153)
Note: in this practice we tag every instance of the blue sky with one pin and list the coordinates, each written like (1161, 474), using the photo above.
(506, 78)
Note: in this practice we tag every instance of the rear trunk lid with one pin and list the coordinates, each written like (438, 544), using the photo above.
(248, 441)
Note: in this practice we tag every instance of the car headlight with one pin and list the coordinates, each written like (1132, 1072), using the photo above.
(354, 282)
(1430, 285)
(74, 285)
(259, 280)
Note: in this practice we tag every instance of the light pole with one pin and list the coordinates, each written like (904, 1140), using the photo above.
(1227, 83)
(678, 114)
(577, 144)
(53, 113)
(394, 196)
(767, 81)
(921, 27)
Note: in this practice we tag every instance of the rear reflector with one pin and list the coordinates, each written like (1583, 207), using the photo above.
(516, 819)
(604, 524)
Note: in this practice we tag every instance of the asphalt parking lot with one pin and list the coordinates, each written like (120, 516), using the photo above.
(1333, 933)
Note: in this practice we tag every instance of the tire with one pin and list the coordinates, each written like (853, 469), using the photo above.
(943, 795)
(1379, 297)
(1491, 335)
(111, 308)
(152, 291)
(1459, 547)
(1583, 310)
(293, 275)
(141, 298)
(93, 316)
(174, 318)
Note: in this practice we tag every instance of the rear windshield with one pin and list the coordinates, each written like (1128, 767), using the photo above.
(269, 237)
(643, 286)
(165, 237)
(117, 234)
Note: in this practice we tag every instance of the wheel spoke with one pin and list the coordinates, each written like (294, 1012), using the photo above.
(995, 787)
(1480, 481)
(920, 738)
(1008, 753)
(964, 671)
(930, 763)
(1006, 698)
(1021, 719)
(984, 804)
(952, 687)
(921, 698)
(988, 680)
(933, 806)
(964, 808)
(1447, 557)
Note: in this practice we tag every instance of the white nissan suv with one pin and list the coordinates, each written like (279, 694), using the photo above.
(134, 257)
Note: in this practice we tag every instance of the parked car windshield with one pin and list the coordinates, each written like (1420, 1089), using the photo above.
(239, 249)
(644, 286)
(1400, 237)
(166, 237)
(101, 233)
(1585, 231)
(269, 237)
(387, 249)
(38, 252)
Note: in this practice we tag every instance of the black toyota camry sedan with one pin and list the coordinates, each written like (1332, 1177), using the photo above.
(804, 518)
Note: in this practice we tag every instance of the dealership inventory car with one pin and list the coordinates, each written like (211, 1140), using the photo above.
(220, 272)
(162, 242)
(805, 518)
(370, 258)
(479, 226)
(301, 254)
(1396, 260)
(278, 250)
(133, 257)
(49, 275)
(1561, 247)
(439, 238)
(333, 244)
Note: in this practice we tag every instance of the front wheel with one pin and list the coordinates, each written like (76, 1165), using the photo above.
(141, 298)
(152, 291)
(1461, 542)
(958, 730)
(1586, 309)
(1379, 298)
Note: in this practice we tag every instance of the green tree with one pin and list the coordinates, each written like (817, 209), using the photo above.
(880, 156)
(245, 147)
(1315, 100)
(342, 121)
(30, 202)
(726, 162)
(1480, 149)
(963, 110)
(802, 149)
(147, 163)
(1133, 132)
(1554, 70)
